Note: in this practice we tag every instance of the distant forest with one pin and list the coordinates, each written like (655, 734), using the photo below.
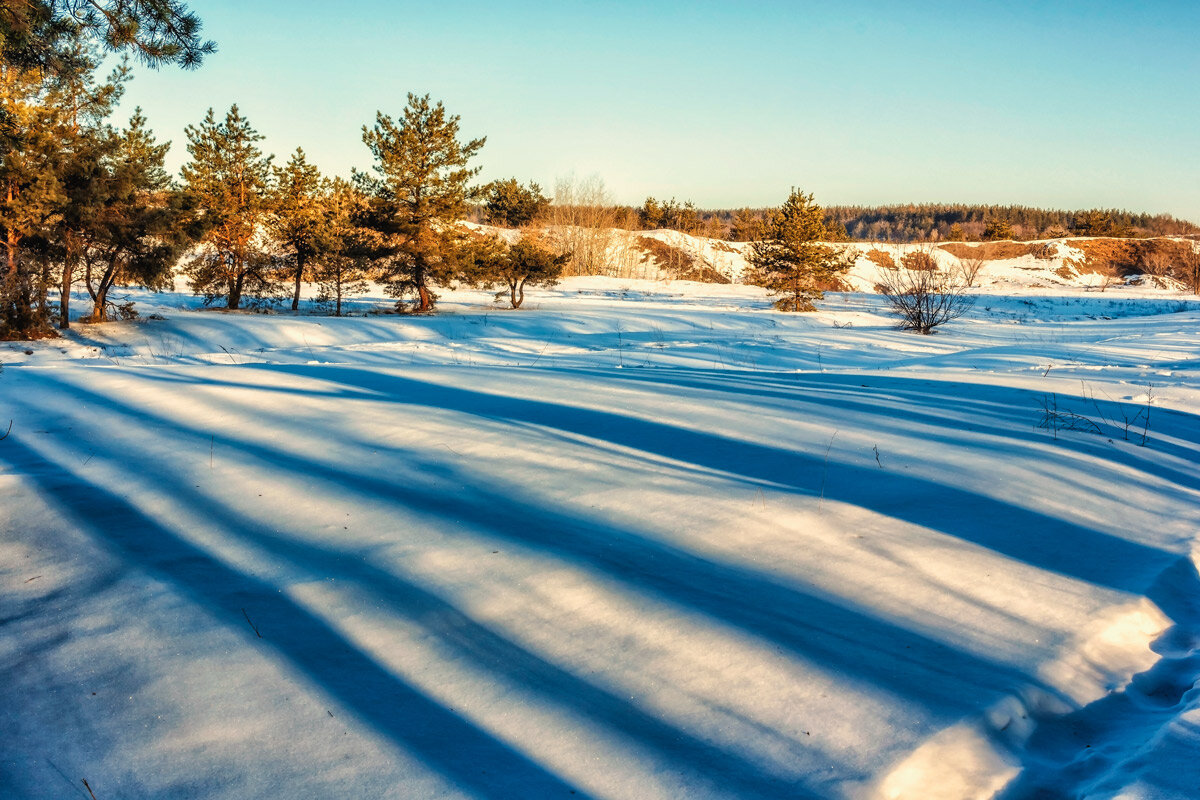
(895, 223)
(937, 221)
(915, 222)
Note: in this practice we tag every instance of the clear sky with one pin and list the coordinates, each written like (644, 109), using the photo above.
(1058, 104)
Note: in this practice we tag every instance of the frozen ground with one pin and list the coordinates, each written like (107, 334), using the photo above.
(641, 540)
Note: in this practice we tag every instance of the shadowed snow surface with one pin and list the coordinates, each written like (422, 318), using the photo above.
(641, 540)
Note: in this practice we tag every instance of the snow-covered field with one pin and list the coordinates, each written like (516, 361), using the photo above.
(641, 540)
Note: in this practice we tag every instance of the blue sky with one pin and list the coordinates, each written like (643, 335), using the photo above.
(1059, 104)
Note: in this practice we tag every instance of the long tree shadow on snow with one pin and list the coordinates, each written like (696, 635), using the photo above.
(482, 646)
(945, 405)
(468, 756)
(1020, 533)
(829, 631)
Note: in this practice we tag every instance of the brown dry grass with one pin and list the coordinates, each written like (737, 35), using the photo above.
(1123, 257)
(920, 261)
(989, 251)
(881, 258)
(679, 264)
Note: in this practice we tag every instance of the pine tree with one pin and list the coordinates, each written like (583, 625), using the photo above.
(87, 142)
(32, 196)
(650, 215)
(296, 218)
(230, 179)
(997, 229)
(44, 34)
(527, 262)
(511, 205)
(420, 189)
(143, 224)
(344, 248)
(748, 226)
(791, 262)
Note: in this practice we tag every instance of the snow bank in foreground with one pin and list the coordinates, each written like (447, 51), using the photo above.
(640, 541)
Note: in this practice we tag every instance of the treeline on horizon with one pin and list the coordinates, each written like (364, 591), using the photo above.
(899, 223)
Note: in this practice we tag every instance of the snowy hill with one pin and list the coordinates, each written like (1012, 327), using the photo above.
(641, 540)
(1092, 263)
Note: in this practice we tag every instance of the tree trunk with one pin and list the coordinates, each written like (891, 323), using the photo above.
(100, 310)
(64, 302)
(516, 291)
(424, 300)
(234, 301)
(299, 277)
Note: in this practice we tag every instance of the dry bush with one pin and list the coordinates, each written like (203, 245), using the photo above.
(1186, 268)
(1046, 251)
(881, 259)
(919, 261)
(969, 269)
(583, 219)
(925, 298)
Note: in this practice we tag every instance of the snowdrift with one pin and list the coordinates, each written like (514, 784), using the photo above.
(641, 540)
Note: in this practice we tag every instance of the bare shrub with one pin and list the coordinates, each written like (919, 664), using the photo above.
(925, 298)
(1046, 251)
(969, 269)
(1191, 269)
(583, 218)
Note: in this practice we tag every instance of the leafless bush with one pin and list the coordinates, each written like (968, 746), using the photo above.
(1155, 262)
(1191, 269)
(969, 270)
(1055, 419)
(925, 298)
(583, 218)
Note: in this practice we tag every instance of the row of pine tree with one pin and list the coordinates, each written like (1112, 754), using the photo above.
(86, 203)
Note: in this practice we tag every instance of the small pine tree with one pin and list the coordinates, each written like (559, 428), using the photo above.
(528, 262)
(956, 234)
(230, 179)
(296, 216)
(650, 215)
(511, 205)
(997, 229)
(344, 248)
(791, 262)
(748, 226)
(420, 190)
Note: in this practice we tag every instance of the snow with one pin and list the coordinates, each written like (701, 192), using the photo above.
(639, 540)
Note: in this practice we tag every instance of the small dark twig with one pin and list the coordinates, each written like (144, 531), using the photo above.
(34, 578)
(6, 433)
(90, 792)
(1055, 419)
(877, 461)
(252, 625)
(825, 470)
(1146, 412)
